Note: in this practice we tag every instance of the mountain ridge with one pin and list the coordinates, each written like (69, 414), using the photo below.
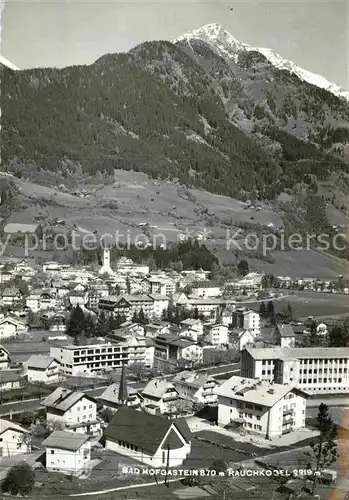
(176, 110)
(215, 32)
(8, 64)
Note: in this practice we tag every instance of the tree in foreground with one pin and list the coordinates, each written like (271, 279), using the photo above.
(243, 267)
(325, 446)
(20, 479)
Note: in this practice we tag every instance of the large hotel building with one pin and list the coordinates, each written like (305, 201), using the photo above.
(315, 370)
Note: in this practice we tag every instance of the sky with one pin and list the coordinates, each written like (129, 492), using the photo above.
(314, 34)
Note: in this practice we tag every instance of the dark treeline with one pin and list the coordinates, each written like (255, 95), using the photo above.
(185, 255)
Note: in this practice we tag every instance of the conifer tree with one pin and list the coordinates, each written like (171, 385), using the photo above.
(262, 310)
(76, 322)
(324, 447)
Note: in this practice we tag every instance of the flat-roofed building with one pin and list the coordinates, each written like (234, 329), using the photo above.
(86, 359)
(315, 370)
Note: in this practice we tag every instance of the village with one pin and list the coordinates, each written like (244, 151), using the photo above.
(107, 373)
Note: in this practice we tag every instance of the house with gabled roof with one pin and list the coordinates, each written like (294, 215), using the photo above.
(12, 439)
(158, 396)
(11, 327)
(165, 443)
(10, 379)
(175, 348)
(159, 328)
(196, 386)
(72, 411)
(110, 397)
(67, 453)
(192, 328)
(40, 368)
(11, 296)
(284, 335)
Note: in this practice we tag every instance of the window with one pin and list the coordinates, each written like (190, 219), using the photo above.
(163, 457)
(52, 452)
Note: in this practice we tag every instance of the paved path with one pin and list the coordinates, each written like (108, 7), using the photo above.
(123, 488)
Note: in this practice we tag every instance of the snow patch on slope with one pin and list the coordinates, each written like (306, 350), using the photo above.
(229, 47)
(7, 63)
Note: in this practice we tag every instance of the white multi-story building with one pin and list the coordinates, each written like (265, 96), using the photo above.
(87, 359)
(174, 347)
(42, 369)
(252, 281)
(127, 266)
(315, 370)
(67, 453)
(71, 410)
(127, 305)
(205, 289)
(192, 328)
(11, 327)
(136, 346)
(207, 307)
(196, 387)
(12, 439)
(11, 296)
(40, 300)
(246, 320)
(159, 396)
(159, 285)
(217, 334)
(260, 407)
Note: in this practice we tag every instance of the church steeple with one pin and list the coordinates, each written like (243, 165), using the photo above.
(123, 387)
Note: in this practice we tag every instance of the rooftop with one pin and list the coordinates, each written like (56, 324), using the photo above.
(7, 424)
(111, 393)
(256, 391)
(7, 376)
(63, 399)
(66, 440)
(129, 425)
(39, 361)
(299, 353)
(192, 379)
(156, 388)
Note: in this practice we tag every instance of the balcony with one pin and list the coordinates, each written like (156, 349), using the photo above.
(287, 412)
(167, 399)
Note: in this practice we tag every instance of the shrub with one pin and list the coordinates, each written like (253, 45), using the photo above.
(20, 479)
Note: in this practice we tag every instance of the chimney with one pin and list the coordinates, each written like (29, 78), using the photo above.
(271, 391)
(243, 381)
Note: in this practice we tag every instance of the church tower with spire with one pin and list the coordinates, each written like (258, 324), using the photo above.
(123, 394)
(106, 269)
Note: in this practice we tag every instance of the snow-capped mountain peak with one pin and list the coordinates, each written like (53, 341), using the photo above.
(7, 63)
(229, 47)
